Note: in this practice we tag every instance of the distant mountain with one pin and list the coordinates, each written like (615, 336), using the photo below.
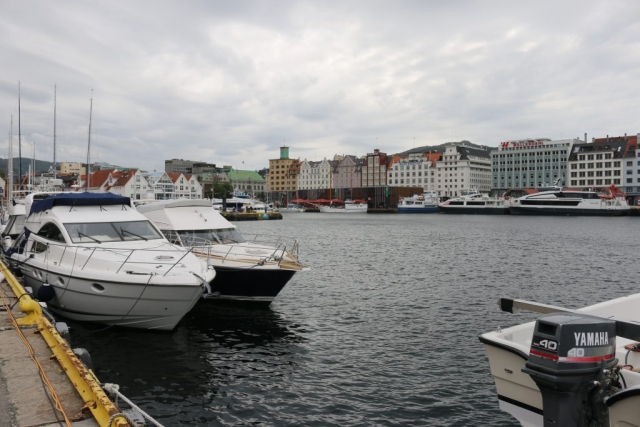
(442, 147)
(41, 165)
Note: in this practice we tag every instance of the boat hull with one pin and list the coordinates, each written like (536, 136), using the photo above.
(426, 209)
(135, 305)
(473, 210)
(254, 286)
(524, 210)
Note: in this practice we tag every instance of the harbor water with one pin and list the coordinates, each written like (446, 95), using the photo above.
(383, 330)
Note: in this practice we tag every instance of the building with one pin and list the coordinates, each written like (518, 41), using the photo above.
(315, 175)
(185, 186)
(162, 185)
(602, 162)
(631, 170)
(348, 172)
(463, 169)
(414, 170)
(72, 168)
(179, 166)
(529, 163)
(128, 183)
(283, 172)
(249, 182)
(374, 170)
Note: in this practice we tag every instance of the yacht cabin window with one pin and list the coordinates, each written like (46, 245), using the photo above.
(101, 232)
(51, 231)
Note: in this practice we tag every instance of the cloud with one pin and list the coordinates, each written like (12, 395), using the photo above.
(231, 82)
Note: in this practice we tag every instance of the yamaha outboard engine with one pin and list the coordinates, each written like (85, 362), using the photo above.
(572, 360)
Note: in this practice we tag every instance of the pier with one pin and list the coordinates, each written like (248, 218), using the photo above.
(250, 216)
(42, 382)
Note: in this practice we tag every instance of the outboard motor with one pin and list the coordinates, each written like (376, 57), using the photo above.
(572, 360)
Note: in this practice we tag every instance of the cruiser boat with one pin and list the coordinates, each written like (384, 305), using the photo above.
(291, 208)
(569, 368)
(349, 206)
(248, 269)
(475, 204)
(607, 202)
(425, 203)
(106, 262)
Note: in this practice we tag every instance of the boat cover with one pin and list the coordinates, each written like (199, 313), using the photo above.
(79, 199)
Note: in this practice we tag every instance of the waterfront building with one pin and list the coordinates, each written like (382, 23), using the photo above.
(249, 182)
(463, 169)
(179, 166)
(604, 161)
(72, 168)
(347, 172)
(186, 186)
(413, 170)
(315, 175)
(129, 183)
(283, 172)
(529, 163)
(374, 169)
(162, 185)
(631, 171)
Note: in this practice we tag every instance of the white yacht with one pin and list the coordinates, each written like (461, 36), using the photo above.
(563, 201)
(349, 206)
(569, 368)
(249, 269)
(291, 208)
(475, 204)
(106, 262)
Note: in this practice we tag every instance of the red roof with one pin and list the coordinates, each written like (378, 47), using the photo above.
(174, 177)
(98, 178)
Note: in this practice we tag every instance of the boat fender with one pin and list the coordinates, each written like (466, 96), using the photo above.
(84, 356)
(46, 292)
(63, 330)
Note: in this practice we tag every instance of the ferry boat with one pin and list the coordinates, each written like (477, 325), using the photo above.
(563, 201)
(569, 368)
(105, 262)
(475, 203)
(249, 269)
(424, 203)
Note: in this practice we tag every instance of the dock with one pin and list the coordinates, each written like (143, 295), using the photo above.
(42, 382)
(250, 216)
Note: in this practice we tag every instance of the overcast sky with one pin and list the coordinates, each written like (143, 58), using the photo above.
(230, 82)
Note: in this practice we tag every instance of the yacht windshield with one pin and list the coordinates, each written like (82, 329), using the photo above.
(210, 237)
(100, 232)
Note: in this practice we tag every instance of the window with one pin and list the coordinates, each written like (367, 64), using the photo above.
(50, 231)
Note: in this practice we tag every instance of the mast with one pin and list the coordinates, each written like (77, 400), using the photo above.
(54, 131)
(10, 164)
(89, 143)
(19, 142)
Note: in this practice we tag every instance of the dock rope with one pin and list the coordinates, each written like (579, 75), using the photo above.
(115, 389)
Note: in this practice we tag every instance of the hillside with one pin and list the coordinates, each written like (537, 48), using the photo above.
(441, 148)
(41, 165)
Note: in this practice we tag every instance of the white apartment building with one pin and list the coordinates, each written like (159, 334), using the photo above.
(413, 170)
(463, 169)
(600, 163)
(315, 175)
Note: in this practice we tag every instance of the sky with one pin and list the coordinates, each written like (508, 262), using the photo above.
(229, 82)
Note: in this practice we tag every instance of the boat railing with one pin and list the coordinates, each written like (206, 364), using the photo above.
(164, 259)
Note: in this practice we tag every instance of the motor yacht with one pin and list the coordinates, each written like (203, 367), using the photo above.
(106, 262)
(562, 201)
(249, 269)
(419, 203)
(476, 203)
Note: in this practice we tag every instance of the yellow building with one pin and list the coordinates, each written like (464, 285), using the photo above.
(283, 172)
(72, 168)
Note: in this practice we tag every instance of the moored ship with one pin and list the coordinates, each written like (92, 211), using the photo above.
(475, 203)
(423, 203)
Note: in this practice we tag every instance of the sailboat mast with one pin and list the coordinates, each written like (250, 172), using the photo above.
(10, 164)
(19, 142)
(54, 131)
(89, 144)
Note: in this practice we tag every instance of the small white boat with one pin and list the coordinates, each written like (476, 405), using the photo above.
(106, 262)
(249, 269)
(291, 208)
(569, 368)
(349, 206)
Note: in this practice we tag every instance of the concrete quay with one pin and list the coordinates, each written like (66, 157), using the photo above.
(63, 392)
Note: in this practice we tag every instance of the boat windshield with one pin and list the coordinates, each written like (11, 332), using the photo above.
(99, 232)
(203, 237)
